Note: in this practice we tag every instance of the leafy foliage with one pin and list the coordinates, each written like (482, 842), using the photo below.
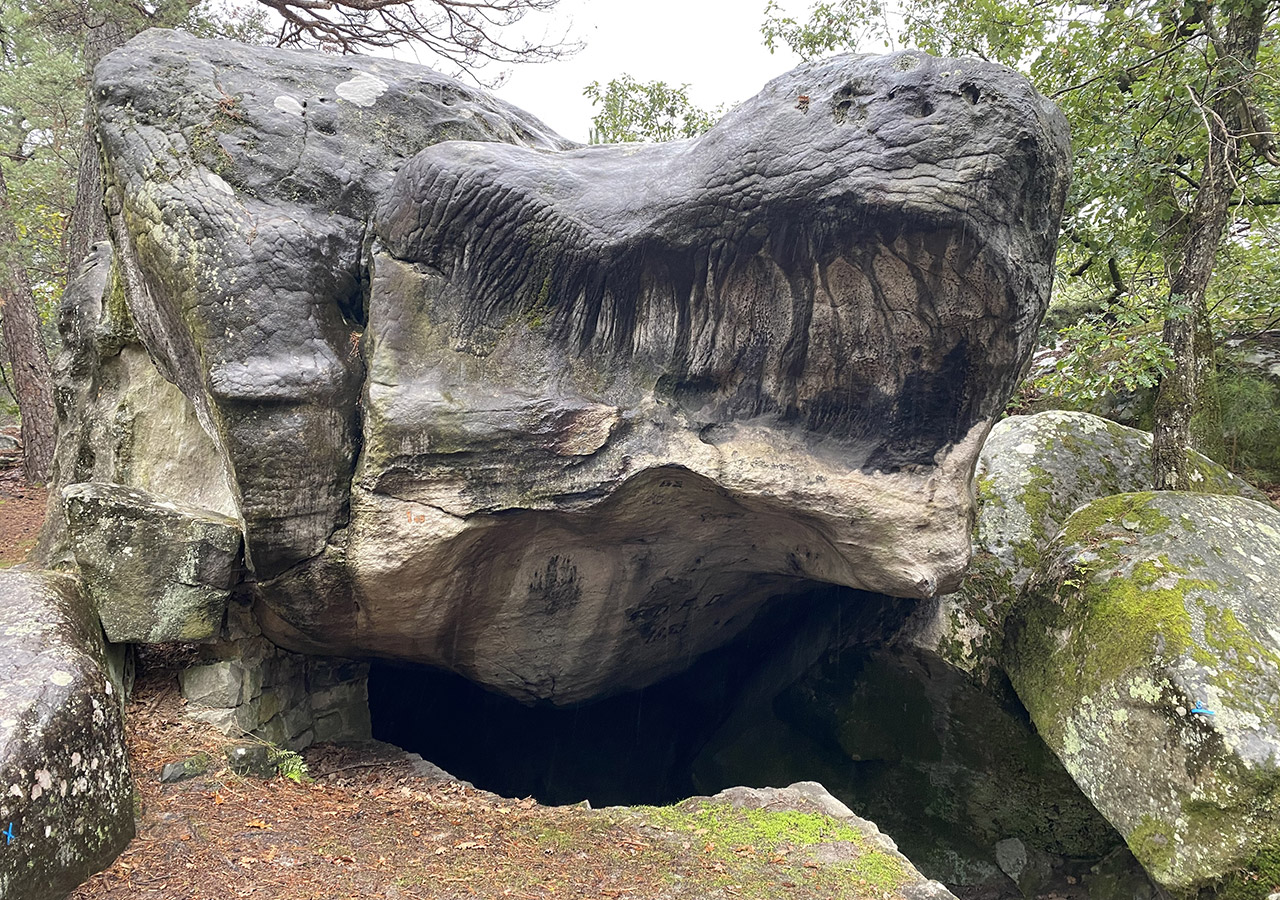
(41, 95)
(290, 764)
(632, 110)
(1137, 82)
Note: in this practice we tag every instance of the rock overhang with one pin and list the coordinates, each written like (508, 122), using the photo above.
(541, 372)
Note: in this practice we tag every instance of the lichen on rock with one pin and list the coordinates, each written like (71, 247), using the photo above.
(67, 803)
(1032, 474)
(1146, 653)
(156, 569)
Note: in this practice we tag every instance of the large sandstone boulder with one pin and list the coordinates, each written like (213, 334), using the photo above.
(1033, 473)
(561, 419)
(1147, 653)
(240, 182)
(67, 808)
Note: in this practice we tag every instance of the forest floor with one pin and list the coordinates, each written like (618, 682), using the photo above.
(364, 825)
(21, 510)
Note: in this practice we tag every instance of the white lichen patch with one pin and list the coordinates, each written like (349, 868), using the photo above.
(363, 90)
(287, 104)
(216, 181)
(61, 678)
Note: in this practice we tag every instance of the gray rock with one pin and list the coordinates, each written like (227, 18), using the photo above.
(1033, 472)
(64, 772)
(1147, 653)
(220, 685)
(592, 440)
(595, 443)
(252, 759)
(241, 182)
(10, 444)
(120, 421)
(173, 772)
(157, 570)
(1030, 869)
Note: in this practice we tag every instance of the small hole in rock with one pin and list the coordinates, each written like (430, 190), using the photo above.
(922, 109)
(971, 93)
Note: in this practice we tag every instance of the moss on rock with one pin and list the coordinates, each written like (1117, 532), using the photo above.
(1149, 663)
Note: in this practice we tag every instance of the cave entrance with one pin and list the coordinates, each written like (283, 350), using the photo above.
(631, 749)
(816, 689)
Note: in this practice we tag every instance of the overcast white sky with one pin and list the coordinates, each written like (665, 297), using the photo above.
(714, 46)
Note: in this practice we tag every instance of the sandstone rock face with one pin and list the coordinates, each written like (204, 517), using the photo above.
(120, 422)
(1033, 472)
(563, 419)
(157, 570)
(68, 794)
(241, 181)
(1147, 654)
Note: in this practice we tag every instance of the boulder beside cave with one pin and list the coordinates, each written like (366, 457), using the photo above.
(1032, 473)
(67, 804)
(156, 570)
(830, 835)
(1147, 653)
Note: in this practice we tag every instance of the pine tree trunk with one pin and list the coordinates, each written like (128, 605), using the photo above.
(88, 221)
(32, 375)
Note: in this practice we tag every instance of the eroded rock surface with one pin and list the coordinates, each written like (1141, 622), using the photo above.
(67, 804)
(240, 181)
(558, 419)
(1147, 654)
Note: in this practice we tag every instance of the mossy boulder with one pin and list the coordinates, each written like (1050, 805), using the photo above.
(1147, 651)
(67, 804)
(801, 820)
(950, 767)
(157, 570)
(1032, 473)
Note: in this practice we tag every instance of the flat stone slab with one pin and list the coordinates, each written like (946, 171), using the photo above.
(158, 570)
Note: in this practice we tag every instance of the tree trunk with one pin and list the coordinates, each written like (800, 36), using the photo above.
(88, 221)
(32, 375)
(1236, 52)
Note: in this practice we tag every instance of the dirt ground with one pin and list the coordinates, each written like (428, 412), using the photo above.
(368, 827)
(21, 511)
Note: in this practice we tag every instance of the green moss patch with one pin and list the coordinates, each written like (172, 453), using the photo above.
(1122, 512)
(760, 828)
(757, 849)
(1248, 663)
(1153, 843)
(1118, 622)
